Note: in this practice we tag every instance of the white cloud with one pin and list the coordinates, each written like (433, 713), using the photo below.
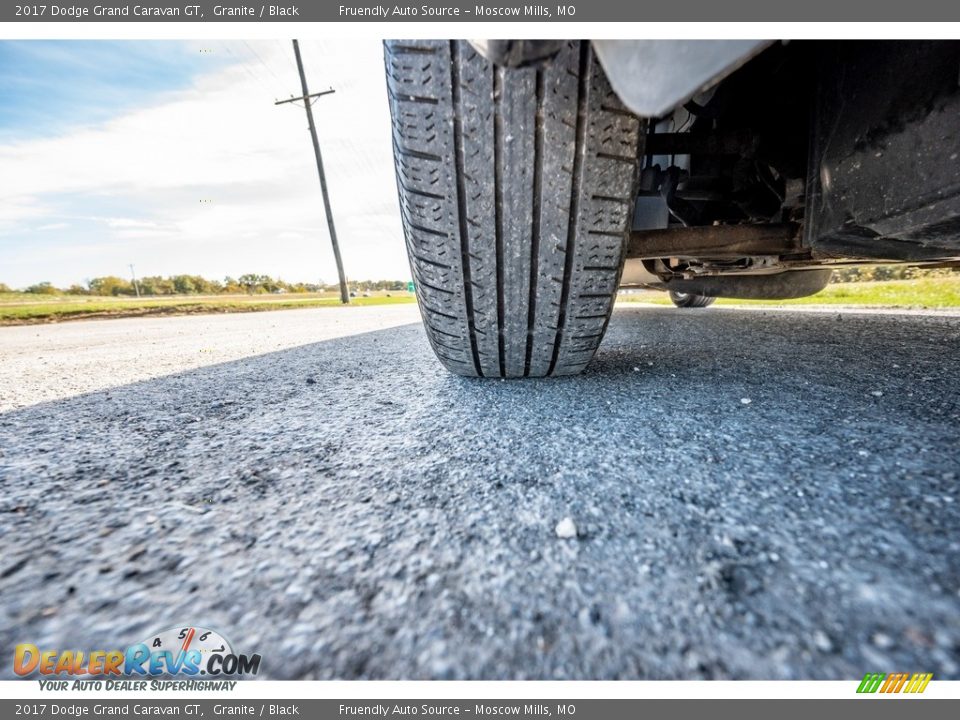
(130, 223)
(216, 179)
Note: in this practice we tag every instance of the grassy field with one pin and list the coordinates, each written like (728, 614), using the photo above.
(20, 309)
(920, 293)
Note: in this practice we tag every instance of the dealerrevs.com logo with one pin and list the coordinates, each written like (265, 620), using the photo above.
(188, 651)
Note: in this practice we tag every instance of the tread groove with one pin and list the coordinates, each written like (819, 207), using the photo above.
(618, 158)
(438, 312)
(422, 193)
(419, 155)
(428, 231)
(535, 229)
(411, 50)
(498, 203)
(434, 263)
(421, 99)
(617, 111)
(435, 288)
(610, 198)
(462, 206)
(579, 150)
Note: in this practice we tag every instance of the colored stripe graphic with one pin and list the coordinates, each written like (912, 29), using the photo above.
(870, 682)
(894, 682)
(918, 683)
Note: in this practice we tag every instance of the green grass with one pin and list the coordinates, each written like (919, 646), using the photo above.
(937, 292)
(19, 309)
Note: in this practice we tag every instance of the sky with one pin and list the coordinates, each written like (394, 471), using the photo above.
(172, 156)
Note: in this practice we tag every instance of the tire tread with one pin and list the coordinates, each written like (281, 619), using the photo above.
(515, 189)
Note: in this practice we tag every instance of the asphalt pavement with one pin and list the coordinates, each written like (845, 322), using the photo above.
(725, 493)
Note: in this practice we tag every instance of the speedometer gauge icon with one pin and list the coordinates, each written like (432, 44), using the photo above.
(189, 637)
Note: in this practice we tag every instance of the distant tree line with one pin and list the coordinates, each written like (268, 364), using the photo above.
(254, 284)
(251, 283)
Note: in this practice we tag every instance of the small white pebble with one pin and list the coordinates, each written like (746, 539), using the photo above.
(882, 640)
(822, 641)
(566, 529)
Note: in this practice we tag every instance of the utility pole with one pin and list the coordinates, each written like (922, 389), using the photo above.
(136, 285)
(308, 106)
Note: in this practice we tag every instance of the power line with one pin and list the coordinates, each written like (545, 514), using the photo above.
(246, 68)
(262, 62)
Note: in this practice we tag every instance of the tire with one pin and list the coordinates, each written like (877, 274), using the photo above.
(516, 189)
(689, 300)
